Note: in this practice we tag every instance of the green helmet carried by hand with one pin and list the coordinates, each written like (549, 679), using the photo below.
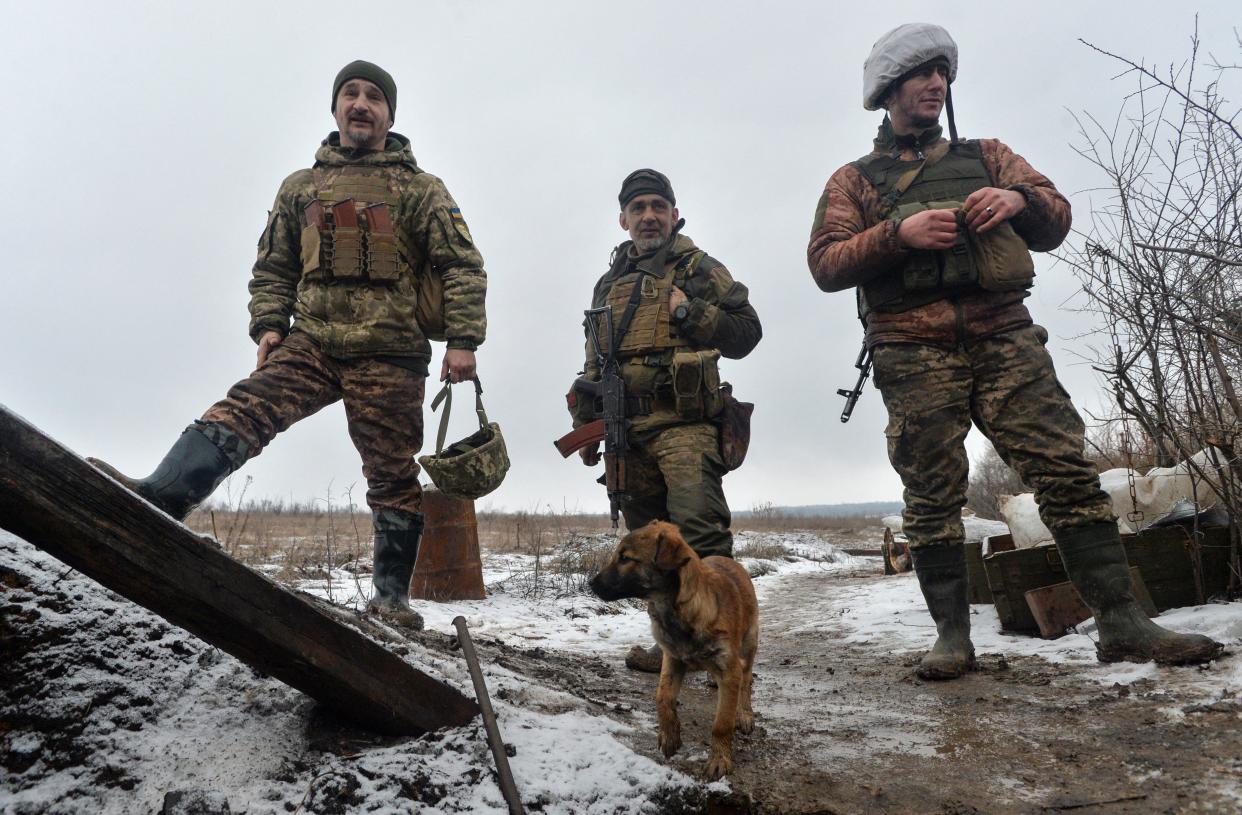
(474, 466)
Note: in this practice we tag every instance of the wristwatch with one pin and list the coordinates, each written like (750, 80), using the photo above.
(681, 312)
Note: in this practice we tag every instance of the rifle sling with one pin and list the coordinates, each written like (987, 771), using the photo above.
(930, 158)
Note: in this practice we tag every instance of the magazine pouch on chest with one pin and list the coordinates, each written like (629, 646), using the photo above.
(696, 384)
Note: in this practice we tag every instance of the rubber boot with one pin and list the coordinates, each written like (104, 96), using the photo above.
(1095, 561)
(647, 660)
(190, 471)
(941, 569)
(397, 535)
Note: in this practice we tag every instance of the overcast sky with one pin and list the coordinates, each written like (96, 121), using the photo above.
(147, 141)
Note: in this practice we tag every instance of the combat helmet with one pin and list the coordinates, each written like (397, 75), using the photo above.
(474, 466)
(905, 49)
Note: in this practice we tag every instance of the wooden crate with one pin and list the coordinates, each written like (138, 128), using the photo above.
(1160, 555)
(1163, 556)
(1012, 573)
(977, 579)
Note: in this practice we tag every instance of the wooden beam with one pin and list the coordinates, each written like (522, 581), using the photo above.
(56, 501)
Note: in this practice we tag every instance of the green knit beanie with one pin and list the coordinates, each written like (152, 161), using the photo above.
(361, 69)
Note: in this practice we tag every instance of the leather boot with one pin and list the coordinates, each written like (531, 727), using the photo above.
(190, 471)
(1095, 561)
(647, 660)
(397, 535)
(941, 569)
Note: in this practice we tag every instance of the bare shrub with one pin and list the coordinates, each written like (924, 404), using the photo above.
(990, 478)
(1160, 263)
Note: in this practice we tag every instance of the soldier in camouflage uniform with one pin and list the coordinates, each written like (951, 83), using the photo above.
(332, 309)
(953, 343)
(692, 315)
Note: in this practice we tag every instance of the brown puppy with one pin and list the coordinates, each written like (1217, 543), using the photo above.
(705, 617)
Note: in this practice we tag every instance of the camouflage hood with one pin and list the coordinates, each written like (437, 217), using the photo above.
(396, 151)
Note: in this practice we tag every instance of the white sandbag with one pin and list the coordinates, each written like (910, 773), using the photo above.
(1155, 493)
(1022, 516)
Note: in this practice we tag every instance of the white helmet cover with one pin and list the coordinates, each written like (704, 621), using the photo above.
(900, 51)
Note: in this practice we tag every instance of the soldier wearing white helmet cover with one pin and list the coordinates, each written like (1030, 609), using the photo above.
(935, 236)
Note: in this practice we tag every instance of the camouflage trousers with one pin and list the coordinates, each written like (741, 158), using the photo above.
(383, 407)
(1006, 385)
(675, 474)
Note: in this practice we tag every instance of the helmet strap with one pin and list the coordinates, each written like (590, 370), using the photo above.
(948, 106)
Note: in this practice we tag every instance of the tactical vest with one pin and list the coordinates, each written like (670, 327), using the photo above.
(355, 244)
(650, 330)
(926, 276)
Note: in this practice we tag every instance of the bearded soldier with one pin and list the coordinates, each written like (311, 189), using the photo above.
(934, 234)
(686, 313)
(333, 302)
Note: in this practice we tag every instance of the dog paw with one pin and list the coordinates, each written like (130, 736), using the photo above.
(718, 766)
(670, 741)
(745, 722)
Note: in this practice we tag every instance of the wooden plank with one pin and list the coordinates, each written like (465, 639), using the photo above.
(1057, 608)
(58, 502)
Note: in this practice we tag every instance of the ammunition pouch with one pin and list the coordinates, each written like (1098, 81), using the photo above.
(380, 258)
(1004, 261)
(339, 247)
(997, 260)
(695, 379)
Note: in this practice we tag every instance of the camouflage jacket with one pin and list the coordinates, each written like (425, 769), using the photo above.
(720, 317)
(851, 243)
(364, 319)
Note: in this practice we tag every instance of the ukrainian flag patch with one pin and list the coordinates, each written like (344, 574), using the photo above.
(459, 224)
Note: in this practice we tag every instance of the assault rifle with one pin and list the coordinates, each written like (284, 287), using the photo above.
(607, 395)
(863, 364)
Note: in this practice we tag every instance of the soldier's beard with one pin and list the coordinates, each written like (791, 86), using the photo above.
(649, 244)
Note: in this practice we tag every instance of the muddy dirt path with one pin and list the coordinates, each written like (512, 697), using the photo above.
(848, 728)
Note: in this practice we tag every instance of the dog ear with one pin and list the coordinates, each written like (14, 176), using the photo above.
(671, 549)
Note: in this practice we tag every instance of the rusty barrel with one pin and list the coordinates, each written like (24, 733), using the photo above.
(448, 565)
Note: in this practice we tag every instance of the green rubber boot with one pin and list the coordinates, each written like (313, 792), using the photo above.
(190, 471)
(1095, 561)
(397, 535)
(941, 569)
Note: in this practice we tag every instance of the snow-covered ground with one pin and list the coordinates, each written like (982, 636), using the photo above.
(158, 710)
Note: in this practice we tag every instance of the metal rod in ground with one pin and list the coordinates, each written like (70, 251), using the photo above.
(507, 787)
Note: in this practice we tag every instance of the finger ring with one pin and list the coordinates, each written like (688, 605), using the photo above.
(988, 210)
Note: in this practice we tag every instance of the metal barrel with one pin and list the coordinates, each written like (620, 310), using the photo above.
(449, 567)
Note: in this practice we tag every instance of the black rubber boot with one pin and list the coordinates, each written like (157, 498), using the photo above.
(647, 660)
(397, 535)
(190, 471)
(941, 569)
(1095, 561)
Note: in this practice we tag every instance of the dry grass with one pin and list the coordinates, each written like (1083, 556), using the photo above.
(304, 540)
(564, 549)
(777, 522)
(762, 549)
